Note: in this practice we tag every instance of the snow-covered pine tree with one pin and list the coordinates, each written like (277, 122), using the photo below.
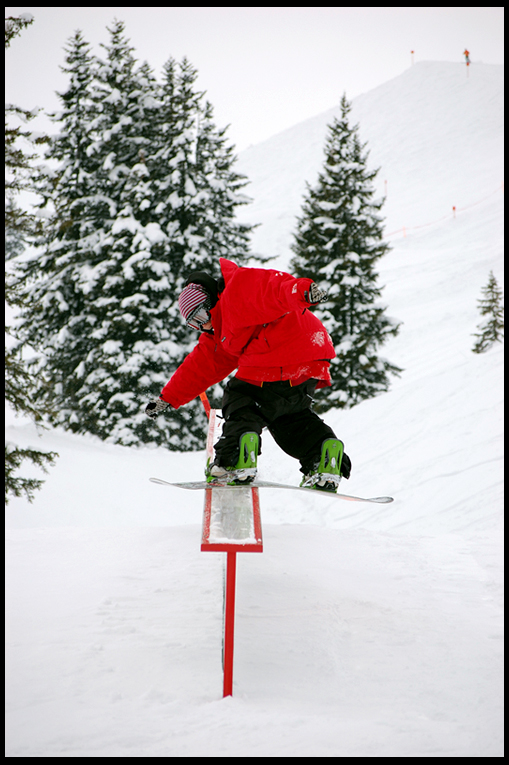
(130, 292)
(159, 237)
(21, 228)
(492, 329)
(20, 225)
(199, 196)
(14, 25)
(220, 190)
(145, 233)
(338, 242)
(178, 209)
(66, 186)
(20, 392)
(78, 280)
(58, 321)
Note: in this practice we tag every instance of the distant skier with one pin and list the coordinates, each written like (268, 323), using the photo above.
(257, 321)
(466, 53)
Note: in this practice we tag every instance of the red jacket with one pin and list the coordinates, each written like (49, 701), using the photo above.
(263, 328)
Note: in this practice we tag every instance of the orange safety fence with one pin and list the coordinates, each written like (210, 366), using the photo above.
(405, 229)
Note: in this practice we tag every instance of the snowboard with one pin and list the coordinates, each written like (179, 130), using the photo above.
(197, 485)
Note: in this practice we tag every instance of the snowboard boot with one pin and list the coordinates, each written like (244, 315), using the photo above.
(244, 472)
(326, 474)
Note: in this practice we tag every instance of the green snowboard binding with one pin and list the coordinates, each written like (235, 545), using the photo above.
(244, 472)
(326, 475)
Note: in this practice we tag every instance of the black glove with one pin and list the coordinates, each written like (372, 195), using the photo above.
(315, 294)
(346, 466)
(155, 407)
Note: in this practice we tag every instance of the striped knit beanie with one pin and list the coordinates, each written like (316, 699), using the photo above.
(191, 297)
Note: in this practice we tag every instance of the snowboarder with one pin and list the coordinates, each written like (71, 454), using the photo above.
(257, 321)
(466, 53)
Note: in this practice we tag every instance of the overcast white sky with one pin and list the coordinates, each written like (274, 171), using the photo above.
(264, 69)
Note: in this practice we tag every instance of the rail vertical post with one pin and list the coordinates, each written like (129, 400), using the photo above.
(229, 623)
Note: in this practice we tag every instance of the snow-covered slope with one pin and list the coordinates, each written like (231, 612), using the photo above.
(361, 631)
(435, 134)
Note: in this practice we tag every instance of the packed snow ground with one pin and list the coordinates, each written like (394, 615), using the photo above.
(361, 631)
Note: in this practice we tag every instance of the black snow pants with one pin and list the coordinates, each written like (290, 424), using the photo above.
(283, 409)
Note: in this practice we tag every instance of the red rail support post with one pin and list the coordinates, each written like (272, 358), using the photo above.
(229, 623)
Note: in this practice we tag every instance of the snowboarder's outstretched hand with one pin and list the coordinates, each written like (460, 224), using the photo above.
(316, 295)
(155, 407)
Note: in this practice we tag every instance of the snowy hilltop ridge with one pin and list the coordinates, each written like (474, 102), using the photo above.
(435, 133)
